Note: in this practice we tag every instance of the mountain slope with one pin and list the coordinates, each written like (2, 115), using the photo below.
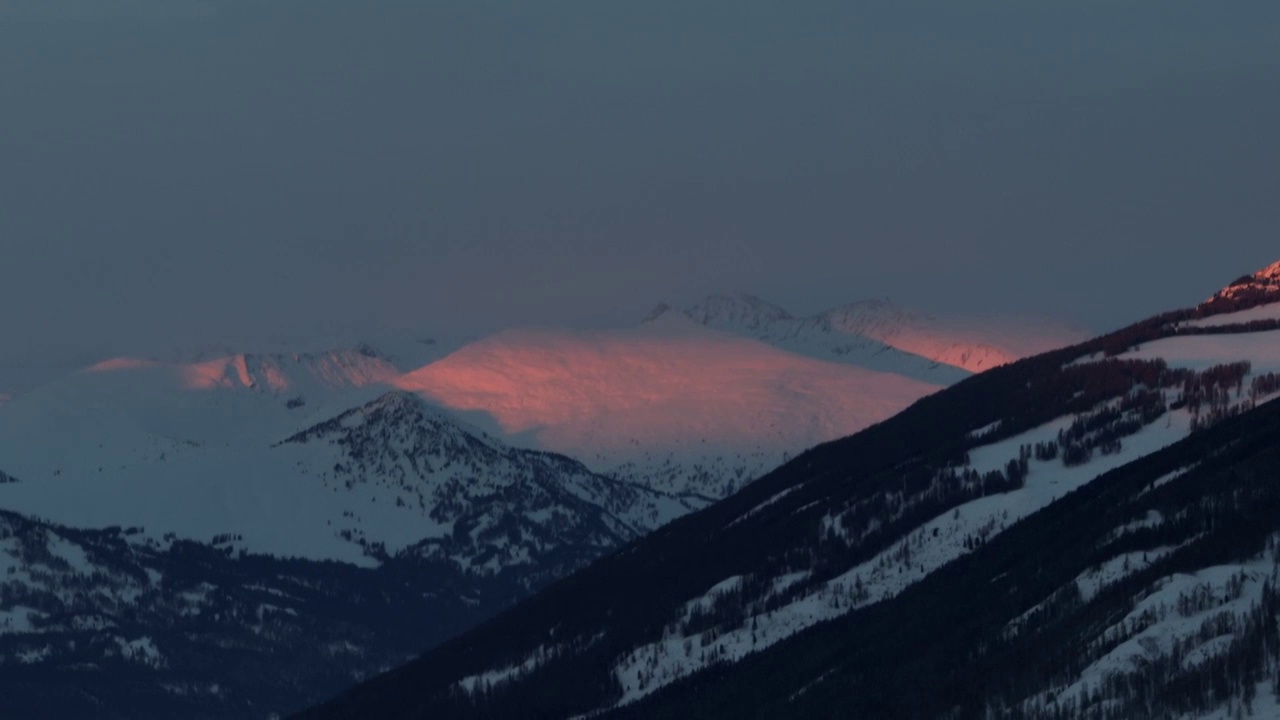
(1151, 593)
(266, 450)
(882, 336)
(473, 501)
(672, 405)
(111, 623)
(404, 526)
(851, 528)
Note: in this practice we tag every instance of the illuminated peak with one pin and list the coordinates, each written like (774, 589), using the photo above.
(1261, 285)
(1270, 272)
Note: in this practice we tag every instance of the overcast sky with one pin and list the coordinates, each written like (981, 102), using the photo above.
(198, 171)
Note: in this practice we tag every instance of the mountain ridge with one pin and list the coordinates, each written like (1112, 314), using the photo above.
(863, 330)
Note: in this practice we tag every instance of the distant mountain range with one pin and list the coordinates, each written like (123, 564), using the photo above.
(1090, 532)
(309, 518)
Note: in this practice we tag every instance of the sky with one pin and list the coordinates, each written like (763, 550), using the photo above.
(200, 171)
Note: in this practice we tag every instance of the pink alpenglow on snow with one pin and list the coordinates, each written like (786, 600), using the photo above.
(668, 383)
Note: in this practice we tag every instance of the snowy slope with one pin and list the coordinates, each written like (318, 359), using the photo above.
(682, 407)
(859, 524)
(114, 623)
(671, 404)
(190, 441)
(882, 336)
(947, 536)
(221, 447)
(960, 530)
(413, 475)
(927, 548)
(1199, 352)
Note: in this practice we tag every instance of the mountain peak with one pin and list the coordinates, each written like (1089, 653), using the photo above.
(876, 312)
(1262, 287)
(1270, 272)
(658, 311)
(738, 309)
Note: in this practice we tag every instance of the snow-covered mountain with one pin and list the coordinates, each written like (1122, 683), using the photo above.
(1091, 532)
(264, 499)
(206, 502)
(671, 404)
(882, 336)
(470, 499)
(266, 450)
(115, 623)
(701, 401)
(208, 442)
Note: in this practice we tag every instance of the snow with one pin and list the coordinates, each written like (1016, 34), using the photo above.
(30, 657)
(484, 680)
(878, 335)
(1168, 478)
(1152, 519)
(91, 622)
(73, 554)
(1096, 579)
(670, 390)
(770, 501)
(140, 650)
(1199, 352)
(138, 447)
(1157, 639)
(708, 599)
(1265, 705)
(988, 428)
(189, 443)
(135, 446)
(17, 620)
(1261, 312)
(934, 544)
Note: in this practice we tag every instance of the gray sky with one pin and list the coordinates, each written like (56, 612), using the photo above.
(197, 171)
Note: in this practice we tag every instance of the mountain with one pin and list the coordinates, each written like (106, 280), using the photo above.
(673, 405)
(696, 402)
(209, 532)
(268, 451)
(1089, 532)
(113, 623)
(211, 544)
(882, 336)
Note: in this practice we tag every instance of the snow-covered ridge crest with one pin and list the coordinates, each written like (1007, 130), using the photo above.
(737, 309)
(883, 336)
(1270, 272)
(462, 496)
(1261, 285)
